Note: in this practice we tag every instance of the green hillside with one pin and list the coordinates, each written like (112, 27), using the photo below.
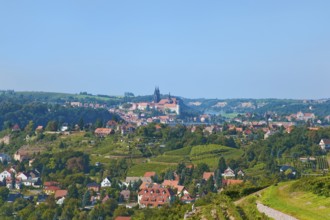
(295, 202)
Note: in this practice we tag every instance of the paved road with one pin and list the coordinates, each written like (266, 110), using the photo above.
(277, 215)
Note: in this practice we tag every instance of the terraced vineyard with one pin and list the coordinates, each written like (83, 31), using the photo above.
(322, 163)
(208, 154)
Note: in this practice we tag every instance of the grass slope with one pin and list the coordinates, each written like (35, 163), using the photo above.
(302, 205)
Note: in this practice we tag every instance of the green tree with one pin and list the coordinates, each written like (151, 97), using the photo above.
(98, 123)
(222, 164)
(81, 124)
(29, 128)
(52, 126)
(4, 192)
(86, 199)
(73, 192)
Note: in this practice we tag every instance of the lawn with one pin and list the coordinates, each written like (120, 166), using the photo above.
(302, 205)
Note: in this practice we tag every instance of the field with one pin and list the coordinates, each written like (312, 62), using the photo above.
(302, 205)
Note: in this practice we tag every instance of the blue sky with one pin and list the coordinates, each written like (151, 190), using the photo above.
(212, 49)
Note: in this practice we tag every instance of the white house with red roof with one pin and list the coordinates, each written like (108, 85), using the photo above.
(325, 144)
(228, 173)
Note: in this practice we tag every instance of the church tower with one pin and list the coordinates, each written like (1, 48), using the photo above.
(170, 101)
(156, 95)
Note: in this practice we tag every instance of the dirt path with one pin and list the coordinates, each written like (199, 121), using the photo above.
(272, 213)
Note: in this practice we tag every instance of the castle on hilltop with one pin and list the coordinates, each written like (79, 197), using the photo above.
(169, 105)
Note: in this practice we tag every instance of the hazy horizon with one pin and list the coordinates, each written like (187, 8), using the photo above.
(192, 49)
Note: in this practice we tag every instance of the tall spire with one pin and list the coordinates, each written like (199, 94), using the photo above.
(156, 95)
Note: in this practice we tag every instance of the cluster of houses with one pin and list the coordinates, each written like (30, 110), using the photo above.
(15, 180)
(156, 195)
(115, 127)
(300, 116)
(87, 105)
(149, 193)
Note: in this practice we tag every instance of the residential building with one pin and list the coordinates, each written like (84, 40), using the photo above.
(207, 175)
(228, 173)
(102, 132)
(106, 182)
(155, 196)
(93, 187)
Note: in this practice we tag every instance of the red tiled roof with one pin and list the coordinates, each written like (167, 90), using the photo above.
(123, 218)
(39, 128)
(149, 174)
(171, 183)
(60, 193)
(155, 195)
(112, 122)
(103, 131)
(207, 175)
(52, 188)
(51, 183)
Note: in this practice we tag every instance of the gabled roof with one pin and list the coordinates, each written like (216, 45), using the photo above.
(60, 193)
(106, 178)
(229, 170)
(207, 175)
